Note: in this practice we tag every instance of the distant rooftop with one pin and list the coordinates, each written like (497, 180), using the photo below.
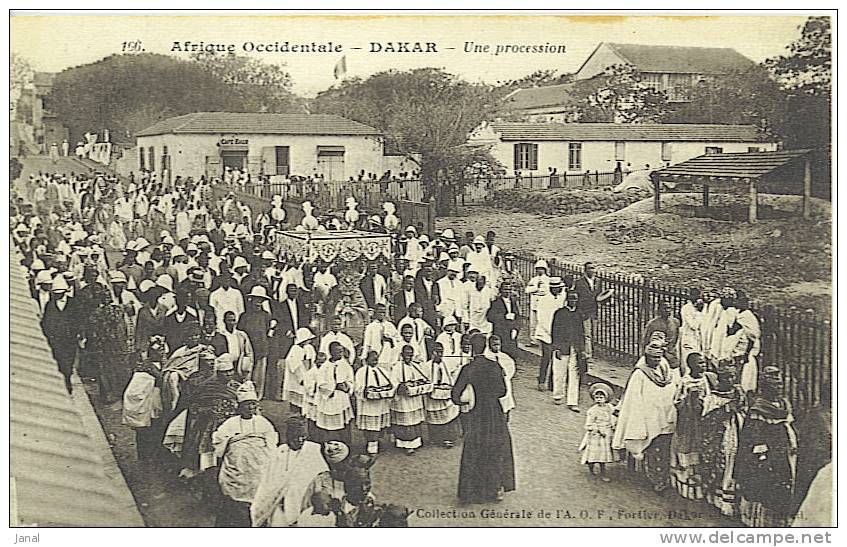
(681, 59)
(259, 123)
(625, 132)
(538, 97)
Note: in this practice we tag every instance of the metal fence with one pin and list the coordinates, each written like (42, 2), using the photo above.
(331, 195)
(799, 343)
(481, 191)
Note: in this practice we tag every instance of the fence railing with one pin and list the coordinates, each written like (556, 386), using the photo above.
(331, 195)
(799, 343)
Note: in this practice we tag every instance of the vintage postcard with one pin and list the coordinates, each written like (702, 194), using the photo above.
(421, 269)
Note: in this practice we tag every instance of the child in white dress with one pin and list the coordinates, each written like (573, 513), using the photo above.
(596, 446)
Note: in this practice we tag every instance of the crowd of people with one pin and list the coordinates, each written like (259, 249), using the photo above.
(201, 319)
(188, 333)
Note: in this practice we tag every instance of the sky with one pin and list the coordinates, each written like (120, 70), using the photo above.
(55, 42)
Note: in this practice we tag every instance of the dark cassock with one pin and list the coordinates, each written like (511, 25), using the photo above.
(60, 328)
(487, 467)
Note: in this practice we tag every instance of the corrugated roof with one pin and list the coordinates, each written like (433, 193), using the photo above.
(625, 132)
(678, 59)
(259, 123)
(538, 97)
(741, 165)
(59, 477)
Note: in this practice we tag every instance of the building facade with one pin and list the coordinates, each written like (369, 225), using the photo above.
(210, 143)
(572, 148)
(672, 69)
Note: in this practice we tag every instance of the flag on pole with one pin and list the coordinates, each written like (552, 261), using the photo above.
(340, 70)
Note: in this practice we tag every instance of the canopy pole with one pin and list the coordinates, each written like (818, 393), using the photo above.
(807, 189)
(657, 201)
(705, 194)
(754, 203)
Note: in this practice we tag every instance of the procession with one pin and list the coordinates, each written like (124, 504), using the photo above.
(476, 283)
(377, 337)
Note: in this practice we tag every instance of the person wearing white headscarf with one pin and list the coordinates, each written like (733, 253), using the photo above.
(244, 444)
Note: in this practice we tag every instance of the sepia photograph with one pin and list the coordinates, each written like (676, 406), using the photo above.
(421, 269)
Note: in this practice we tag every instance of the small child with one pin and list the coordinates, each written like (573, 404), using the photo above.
(596, 446)
(319, 514)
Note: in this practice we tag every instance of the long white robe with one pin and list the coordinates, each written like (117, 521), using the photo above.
(646, 411)
(690, 338)
(244, 449)
(284, 483)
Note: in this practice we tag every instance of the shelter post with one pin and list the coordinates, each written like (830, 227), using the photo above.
(752, 216)
(657, 201)
(807, 189)
(705, 194)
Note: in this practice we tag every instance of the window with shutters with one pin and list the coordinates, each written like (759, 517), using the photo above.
(714, 150)
(620, 151)
(526, 156)
(575, 156)
(151, 158)
(141, 163)
(666, 151)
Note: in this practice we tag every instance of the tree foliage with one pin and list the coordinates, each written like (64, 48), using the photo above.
(807, 68)
(748, 96)
(126, 93)
(259, 86)
(424, 111)
(619, 95)
(20, 76)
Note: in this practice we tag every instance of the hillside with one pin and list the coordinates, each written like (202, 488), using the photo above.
(782, 262)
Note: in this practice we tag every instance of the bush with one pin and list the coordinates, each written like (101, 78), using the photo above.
(565, 201)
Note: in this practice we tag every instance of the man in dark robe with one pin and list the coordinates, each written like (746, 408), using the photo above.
(487, 468)
(504, 317)
(427, 294)
(60, 328)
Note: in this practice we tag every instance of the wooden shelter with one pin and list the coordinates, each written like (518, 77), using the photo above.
(747, 171)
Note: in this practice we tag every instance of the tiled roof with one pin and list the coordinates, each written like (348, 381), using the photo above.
(538, 97)
(675, 59)
(625, 132)
(741, 165)
(59, 478)
(43, 78)
(259, 123)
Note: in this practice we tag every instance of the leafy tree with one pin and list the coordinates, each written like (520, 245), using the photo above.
(807, 68)
(748, 96)
(423, 111)
(127, 93)
(618, 95)
(261, 87)
(806, 73)
(20, 76)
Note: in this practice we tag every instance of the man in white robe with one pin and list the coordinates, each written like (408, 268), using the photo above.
(244, 445)
(283, 491)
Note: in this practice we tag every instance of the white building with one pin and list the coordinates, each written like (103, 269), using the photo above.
(261, 144)
(571, 148)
